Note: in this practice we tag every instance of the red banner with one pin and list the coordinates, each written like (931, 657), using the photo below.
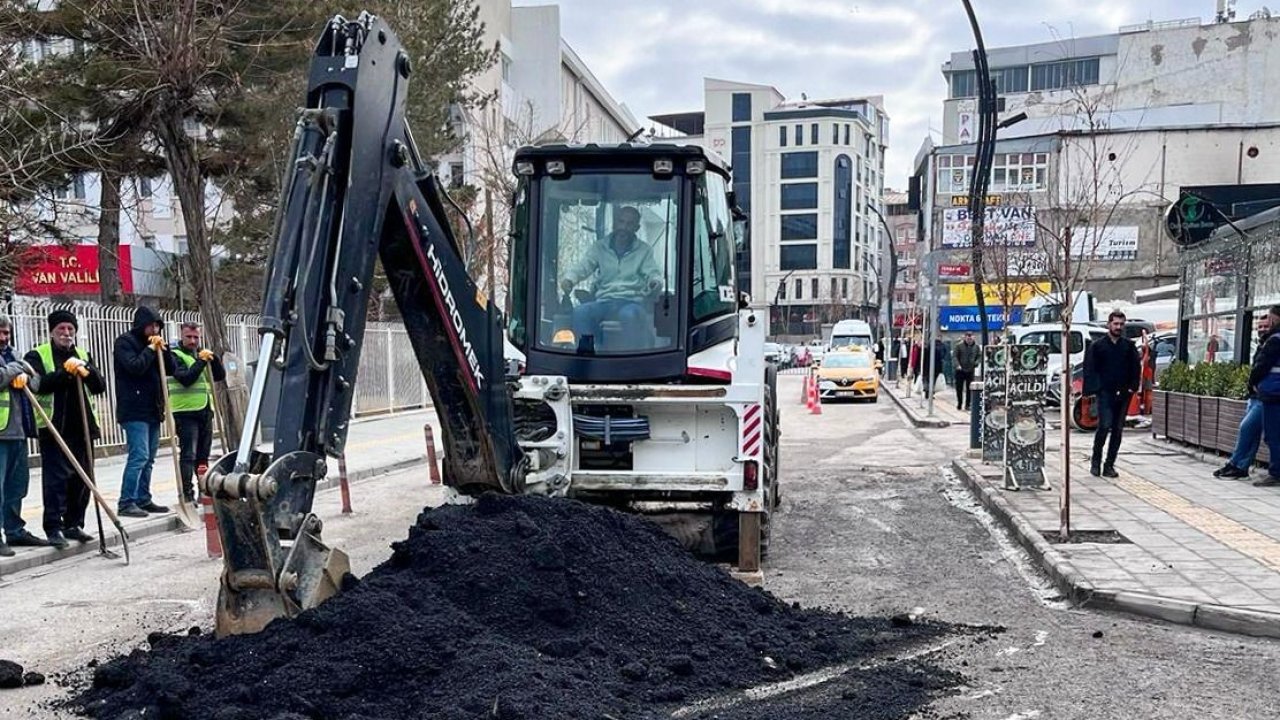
(59, 270)
(954, 270)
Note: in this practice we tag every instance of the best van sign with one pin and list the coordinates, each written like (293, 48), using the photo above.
(1005, 226)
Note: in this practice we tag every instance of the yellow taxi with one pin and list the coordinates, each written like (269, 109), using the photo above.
(849, 373)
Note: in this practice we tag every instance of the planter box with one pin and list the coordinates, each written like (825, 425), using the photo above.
(1208, 431)
(1160, 413)
(1191, 420)
(1176, 427)
(1230, 413)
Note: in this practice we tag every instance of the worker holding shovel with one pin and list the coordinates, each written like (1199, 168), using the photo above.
(139, 378)
(63, 373)
(191, 399)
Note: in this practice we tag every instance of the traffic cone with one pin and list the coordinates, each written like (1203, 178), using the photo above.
(804, 388)
(212, 541)
(815, 400)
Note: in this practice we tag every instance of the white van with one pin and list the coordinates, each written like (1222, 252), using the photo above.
(1051, 334)
(850, 332)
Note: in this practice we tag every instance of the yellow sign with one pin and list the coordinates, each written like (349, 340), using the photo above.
(963, 200)
(994, 293)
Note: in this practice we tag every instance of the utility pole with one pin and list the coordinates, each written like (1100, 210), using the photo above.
(985, 152)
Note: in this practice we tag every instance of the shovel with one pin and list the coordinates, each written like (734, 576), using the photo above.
(97, 496)
(188, 513)
(88, 443)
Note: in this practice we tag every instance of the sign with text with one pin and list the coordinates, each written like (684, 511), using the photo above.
(993, 293)
(47, 270)
(958, 318)
(1027, 381)
(954, 270)
(1105, 243)
(963, 200)
(994, 415)
(1026, 264)
(1006, 226)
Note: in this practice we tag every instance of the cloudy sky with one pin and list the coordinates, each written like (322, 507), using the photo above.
(653, 54)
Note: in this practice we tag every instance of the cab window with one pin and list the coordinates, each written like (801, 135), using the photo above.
(713, 287)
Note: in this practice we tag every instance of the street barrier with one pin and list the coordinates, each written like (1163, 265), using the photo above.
(434, 469)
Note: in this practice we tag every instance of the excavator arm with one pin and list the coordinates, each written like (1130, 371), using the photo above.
(356, 188)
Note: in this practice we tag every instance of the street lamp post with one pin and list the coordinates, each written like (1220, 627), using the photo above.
(777, 295)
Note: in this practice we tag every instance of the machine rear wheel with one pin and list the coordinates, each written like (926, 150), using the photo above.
(727, 523)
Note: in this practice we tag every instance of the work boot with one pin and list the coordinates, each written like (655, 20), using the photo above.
(154, 508)
(1268, 481)
(5, 550)
(78, 535)
(1110, 472)
(23, 538)
(1095, 470)
(57, 540)
(131, 511)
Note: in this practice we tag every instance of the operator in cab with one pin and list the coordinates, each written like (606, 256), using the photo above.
(627, 278)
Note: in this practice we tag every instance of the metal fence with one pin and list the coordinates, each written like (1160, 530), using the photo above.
(389, 380)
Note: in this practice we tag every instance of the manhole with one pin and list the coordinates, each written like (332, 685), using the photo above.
(1078, 537)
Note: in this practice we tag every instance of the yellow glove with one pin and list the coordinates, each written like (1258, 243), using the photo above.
(205, 354)
(19, 382)
(157, 342)
(76, 366)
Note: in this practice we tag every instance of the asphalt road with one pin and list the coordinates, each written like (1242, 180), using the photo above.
(872, 523)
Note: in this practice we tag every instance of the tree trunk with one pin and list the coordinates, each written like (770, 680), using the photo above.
(109, 287)
(188, 185)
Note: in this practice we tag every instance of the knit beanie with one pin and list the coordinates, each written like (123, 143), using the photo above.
(57, 317)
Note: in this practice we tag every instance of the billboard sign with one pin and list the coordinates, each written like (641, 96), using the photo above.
(1003, 226)
(962, 317)
(52, 270)
(1105, 243)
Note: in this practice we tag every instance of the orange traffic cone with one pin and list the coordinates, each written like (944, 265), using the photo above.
(815, 400)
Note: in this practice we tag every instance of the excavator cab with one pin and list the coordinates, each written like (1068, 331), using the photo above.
(622, 260)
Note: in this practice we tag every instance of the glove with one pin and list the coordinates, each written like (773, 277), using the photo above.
(19, 382)
(76, 366)
(205, 354)
(156, 341)
(566, 285)
(655, 284)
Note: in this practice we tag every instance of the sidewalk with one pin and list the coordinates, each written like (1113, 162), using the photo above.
(1192, 549)
(375, 446)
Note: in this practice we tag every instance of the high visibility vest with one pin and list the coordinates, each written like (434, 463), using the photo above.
(5, 396)
(184, 398)
(45, 352)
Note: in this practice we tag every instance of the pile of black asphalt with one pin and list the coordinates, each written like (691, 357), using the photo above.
(528, 607)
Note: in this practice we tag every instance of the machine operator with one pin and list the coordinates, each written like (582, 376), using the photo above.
(626, 278)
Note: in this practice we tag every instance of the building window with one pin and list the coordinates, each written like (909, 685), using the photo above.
(842, 215)
(782, 136)
(1064, 74)
(844, 288)
(798, 257)
(800, 227)
(815, 288)
(799, 288)
(741, 159)
(456, 175)
(506, 68)
(833, 288)
(782, 290)
(144, 187)
(742, 107)
(835, 133)
(799, 135)
(813, 134)
(846, 133)
(1007, 80)
(1010, 172)
(181, 242)
(799, 165)
(799, 196)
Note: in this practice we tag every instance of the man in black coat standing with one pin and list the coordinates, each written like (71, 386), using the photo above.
(140, 407)
(57, 364)
(1112, 373)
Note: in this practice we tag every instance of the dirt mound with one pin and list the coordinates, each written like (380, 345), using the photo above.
(519, 607)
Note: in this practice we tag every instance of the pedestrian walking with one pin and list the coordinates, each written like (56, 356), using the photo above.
(1112, 374)
(967, 355)
(65, 372)
(879, 353)
(17, 423)
(190, 397)
(1264, 379)
(140, 407)
(1249, 434)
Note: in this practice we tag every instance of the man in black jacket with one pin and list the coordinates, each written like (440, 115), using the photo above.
(1264, 380)
(967, 356)
(140, 407)
(58, 363)
(1112, 373)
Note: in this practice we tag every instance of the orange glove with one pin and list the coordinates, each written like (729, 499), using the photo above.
(205, 354)
(157, 342)
(76, 366)
(19, 382)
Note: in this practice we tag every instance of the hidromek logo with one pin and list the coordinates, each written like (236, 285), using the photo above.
(437, 268)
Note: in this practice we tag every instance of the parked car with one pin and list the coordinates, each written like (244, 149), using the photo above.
(1165, 346)
(849, 374)
(773, 353)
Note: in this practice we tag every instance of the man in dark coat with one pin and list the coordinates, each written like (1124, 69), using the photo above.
(140, 407)
(1112, 374)
(62, 371)
(1264, 380)
(967, 356)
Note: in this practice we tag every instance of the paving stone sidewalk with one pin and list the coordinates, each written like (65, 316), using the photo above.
(1199, 550)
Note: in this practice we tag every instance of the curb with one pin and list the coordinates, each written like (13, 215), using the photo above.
(913, 415)
(171, 523)
(1080, 592)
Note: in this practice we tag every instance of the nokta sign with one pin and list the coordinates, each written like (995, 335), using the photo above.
(965, 317)
(50, 270)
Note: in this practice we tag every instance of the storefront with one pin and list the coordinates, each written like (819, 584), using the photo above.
(1226, 281)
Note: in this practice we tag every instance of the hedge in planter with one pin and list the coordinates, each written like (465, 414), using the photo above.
(1203, 403)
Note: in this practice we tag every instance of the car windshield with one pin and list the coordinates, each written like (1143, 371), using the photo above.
(840, 341)
(846, 360)
(608, 263)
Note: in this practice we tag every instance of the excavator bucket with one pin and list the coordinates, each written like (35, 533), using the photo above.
(250, 602)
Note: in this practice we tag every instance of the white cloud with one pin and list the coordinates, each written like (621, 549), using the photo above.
(653, 55)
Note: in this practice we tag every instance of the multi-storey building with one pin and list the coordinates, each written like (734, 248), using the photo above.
(807, 172)
(903, 223)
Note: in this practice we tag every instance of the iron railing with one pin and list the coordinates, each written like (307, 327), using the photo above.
(389, 379)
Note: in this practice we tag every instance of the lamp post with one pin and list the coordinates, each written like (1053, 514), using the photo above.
(777, 295)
